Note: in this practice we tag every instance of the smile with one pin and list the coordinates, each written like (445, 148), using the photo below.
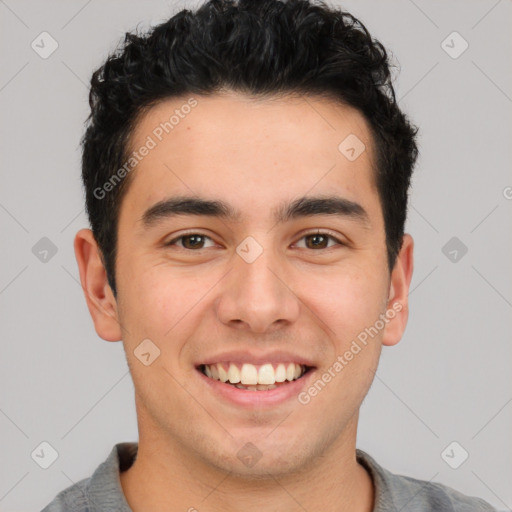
(252, 377)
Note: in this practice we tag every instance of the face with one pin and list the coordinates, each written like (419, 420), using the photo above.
(257, 286)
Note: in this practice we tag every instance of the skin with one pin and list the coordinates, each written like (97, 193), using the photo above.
(294, 296)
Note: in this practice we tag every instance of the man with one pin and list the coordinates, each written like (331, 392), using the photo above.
(246, 169)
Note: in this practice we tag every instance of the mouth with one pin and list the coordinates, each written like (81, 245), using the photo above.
(250, 377)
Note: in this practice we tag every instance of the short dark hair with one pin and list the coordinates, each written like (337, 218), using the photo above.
(264, 47)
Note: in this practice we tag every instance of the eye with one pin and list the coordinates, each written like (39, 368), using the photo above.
(191, 241)
(319, 239)
(196, 241)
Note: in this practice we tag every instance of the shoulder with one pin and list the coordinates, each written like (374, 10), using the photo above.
(72, 499)
(435, 496)
(399, 492)
(101, 491)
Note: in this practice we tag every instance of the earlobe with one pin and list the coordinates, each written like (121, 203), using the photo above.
(398, 299)
(98, 294)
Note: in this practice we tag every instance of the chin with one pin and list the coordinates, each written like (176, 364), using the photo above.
(259, 458)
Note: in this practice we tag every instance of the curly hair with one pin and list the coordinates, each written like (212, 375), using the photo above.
(260, 48)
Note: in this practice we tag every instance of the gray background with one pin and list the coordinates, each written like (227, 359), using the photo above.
(447, 380)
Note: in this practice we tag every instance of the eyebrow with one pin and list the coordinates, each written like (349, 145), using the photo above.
(306, 206)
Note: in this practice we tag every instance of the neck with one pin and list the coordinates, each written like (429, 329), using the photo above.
(165, 478)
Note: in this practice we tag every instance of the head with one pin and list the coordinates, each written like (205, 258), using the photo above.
(248, 107)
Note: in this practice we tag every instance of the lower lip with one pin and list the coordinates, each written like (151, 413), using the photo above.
(249, 398)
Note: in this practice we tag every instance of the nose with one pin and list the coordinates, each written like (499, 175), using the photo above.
(257, 296)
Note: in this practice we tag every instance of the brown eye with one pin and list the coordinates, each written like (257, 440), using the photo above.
(194, 241)
(319, 240)
(191, 241)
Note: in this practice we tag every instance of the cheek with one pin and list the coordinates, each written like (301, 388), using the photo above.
(347, 302)
(348, 306)
(159, 304)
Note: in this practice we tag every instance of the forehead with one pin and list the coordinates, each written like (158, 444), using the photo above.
(252, 152)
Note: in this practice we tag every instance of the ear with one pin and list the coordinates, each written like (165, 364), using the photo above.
(98, 294)
(398, 300)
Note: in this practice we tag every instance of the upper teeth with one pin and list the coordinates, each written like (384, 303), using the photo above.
(251, 374)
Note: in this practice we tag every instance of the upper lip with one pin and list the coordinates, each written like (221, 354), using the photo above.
(245, 356)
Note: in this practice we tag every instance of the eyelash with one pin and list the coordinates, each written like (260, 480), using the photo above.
(185, 235)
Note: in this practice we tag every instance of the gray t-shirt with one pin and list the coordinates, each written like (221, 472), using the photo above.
(393, 493)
